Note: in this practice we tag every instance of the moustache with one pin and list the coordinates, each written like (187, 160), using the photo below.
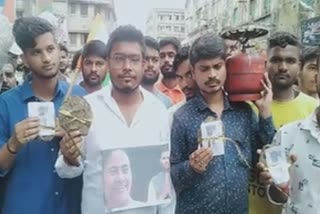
(186, 89)
(282, 75)
(212, 81)
(166, 65)
(150, 70)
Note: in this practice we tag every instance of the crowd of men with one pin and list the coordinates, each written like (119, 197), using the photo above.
(146, 93)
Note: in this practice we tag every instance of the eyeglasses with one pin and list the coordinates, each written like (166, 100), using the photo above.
(119, 61)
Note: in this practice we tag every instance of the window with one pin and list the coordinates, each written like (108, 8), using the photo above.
(177, 18)
(176, 29)
(73, 38)
(83, 38)
(253, 8)
(170, 17)
(235, 16)
(168, 28)
(267, 6)
(84, 10)
(19, 13)
(73, 9)
(160, 17)
(182, 17)
(97, 10)
(182, 29)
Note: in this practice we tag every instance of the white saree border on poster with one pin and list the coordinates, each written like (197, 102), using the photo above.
(129, 173)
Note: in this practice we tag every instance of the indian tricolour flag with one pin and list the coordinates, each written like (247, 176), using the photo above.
(98, 30)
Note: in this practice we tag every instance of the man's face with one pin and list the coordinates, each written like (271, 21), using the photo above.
(210, 75)
(13, 59)
(167, 54)
(43, 59)
(307, 77)
(164, 160)
(233, 48)
(283, 66)
(64, 61)
(117, 179)
(126, 66)
(7, 78)
(187, 84)
(152, 66)
(94, 70)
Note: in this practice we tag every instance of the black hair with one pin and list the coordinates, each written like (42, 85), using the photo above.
(126, 33)
(282, 39)
(180, 57)
(95, 48)
(208, 46)
(63, 48)
(170, 41)
(309, 53)
(107, 154)
(75, 59)
(27, 29)
(152, 43)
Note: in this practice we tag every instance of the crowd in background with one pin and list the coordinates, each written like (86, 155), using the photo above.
(145, 92)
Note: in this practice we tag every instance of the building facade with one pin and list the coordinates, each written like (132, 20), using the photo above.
(214, 15)
(164, 22)
(25, 8)
(79, 15)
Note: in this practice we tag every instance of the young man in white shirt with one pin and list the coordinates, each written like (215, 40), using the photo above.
(125, 115)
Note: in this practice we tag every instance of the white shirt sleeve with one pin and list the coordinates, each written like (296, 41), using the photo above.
(64, 170)
(151, 192)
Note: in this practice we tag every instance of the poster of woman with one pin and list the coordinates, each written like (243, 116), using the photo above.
(136, 177)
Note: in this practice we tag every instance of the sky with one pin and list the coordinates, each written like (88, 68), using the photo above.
(135, 12)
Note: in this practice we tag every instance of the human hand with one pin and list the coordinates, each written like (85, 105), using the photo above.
(200, 159)
(70, 147)
(264, 103)
(24, 132)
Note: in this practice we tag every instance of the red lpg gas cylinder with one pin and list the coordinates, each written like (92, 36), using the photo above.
(244, 74)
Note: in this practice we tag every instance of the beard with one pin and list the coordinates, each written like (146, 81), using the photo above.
(150, 81)
(47, 77)
(4, 87)
(169, 74)
(92, 83)
(124, 90)
(283, 85)
(64, 69)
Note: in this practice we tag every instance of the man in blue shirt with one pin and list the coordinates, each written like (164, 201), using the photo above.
(28, 162)
(207, 180)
